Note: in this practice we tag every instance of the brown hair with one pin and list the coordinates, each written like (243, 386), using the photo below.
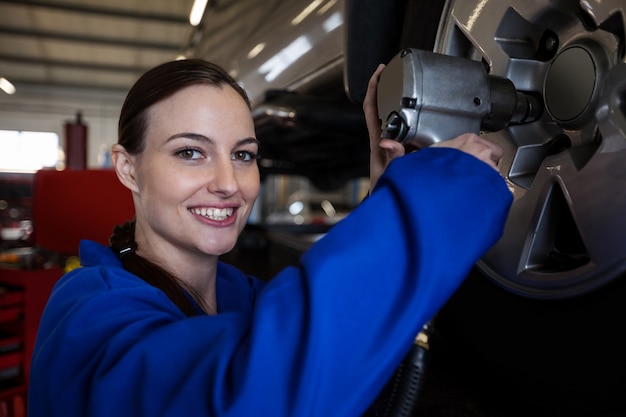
(152, 87)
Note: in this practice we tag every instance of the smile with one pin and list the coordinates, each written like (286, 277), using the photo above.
(214, 213)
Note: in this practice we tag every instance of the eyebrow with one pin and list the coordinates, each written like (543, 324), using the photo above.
(202, 138)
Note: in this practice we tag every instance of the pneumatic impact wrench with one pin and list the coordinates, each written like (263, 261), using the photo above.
(425, 98)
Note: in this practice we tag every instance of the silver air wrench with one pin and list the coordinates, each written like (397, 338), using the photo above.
(425, 98)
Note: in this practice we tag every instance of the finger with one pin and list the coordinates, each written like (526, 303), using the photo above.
(393, 149)
(477, 146)
(370, 105)
(495, 151)
(498, 152)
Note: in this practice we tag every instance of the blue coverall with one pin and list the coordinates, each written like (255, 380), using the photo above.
(320, 339)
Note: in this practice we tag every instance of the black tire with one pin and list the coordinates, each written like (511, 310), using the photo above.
(536, 328)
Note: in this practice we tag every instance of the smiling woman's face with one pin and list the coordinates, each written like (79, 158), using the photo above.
(197, 177)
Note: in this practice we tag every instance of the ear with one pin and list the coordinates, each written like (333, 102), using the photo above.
(124, 164)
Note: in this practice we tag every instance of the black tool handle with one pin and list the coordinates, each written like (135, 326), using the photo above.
(409, 377)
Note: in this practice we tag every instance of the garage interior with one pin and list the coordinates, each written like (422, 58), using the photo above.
(540, 338)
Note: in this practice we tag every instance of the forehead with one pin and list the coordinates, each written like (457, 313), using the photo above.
(202, 108)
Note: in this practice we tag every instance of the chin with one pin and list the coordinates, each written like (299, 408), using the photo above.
(219, 249)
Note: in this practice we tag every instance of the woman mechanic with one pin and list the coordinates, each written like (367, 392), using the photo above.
(156, 325)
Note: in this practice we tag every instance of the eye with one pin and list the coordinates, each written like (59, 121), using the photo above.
(245, 156)
(189, 153)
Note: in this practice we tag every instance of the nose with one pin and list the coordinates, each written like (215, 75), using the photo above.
(224, 180)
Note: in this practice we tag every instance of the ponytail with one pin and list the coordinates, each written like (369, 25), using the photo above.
(123, 243)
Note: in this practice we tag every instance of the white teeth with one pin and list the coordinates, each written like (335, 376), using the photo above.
(214, 213)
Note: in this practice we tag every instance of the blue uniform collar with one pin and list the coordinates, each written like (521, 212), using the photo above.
(235, 291)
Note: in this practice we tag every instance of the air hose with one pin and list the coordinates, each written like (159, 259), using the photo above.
(408, 379)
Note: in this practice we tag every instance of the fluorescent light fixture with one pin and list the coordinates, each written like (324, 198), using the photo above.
(274, 66)
(256, 50)
(333, 22)
(326, 7)
(6, 86)
(197, 11)
(307, 11)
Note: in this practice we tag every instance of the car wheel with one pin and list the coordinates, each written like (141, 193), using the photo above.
(535, 330)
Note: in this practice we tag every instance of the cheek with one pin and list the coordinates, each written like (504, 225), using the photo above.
(250, 184)
(158, 185)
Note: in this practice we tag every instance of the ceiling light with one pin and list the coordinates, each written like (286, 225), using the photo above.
(256, 50)
(197, 11)
(326, 7)
(6, 86)
(278, 63)
(307, 11)
(333, 22)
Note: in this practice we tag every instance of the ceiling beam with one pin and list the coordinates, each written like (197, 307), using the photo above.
(97, 10)
(72, 64)
(68, 37)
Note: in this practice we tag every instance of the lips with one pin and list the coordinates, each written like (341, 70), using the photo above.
(213, 213)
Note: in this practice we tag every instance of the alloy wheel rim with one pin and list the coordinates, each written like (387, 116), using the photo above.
(565, 235)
